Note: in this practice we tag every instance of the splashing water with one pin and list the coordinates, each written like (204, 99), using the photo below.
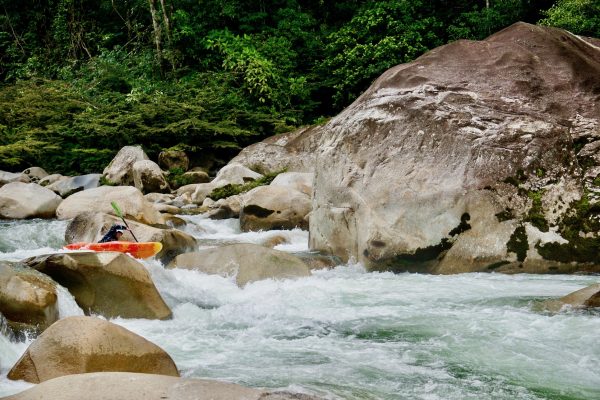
(348, 334)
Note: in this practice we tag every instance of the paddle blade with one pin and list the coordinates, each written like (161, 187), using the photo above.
(117, 209)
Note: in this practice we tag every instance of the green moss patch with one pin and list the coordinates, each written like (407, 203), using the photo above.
(518, 243)
(233, 189)
(582, 218)
(536, 212)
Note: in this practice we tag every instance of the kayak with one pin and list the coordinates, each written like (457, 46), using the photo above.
(135, 249)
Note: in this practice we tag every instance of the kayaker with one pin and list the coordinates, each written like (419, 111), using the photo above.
(114, 234)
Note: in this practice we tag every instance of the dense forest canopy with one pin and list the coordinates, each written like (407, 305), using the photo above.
(80, 78)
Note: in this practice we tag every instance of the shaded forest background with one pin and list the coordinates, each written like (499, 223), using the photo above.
(79, 79)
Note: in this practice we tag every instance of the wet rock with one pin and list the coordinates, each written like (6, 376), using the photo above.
(247, 262)
(28, 298)
(130, 200)
(92, 226)
(148, 177)
(66, 186)
(587, 297)
(229, 207)
(79, 345)
(274, 207)
(120, 170)
(174, 221)
(105, 283)
(318, 261)
(20, 200)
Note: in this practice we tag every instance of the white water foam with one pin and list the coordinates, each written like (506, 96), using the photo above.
(348, 334)
(228, 231)
(67, 307)
(345, 333)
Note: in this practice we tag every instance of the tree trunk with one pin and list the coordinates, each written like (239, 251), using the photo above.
(157, 30)
(166, 20)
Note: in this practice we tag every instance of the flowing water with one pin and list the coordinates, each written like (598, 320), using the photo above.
(348, 334)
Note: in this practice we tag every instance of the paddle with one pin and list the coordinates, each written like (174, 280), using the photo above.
(120, 215)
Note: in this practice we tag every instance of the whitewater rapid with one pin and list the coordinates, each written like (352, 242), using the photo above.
(348, 334)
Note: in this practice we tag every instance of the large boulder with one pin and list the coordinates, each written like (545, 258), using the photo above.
(92, 226)
(300, 181)
(274, 207)
(136, 386)
(69, 185)
(247, 262)
(120, 170)
(105, 283)
(148, 177)
(477, 155)
(28, 298)
(130, 200)
(78, 345)
(27, 200)
(35, 174)
(8, 177)
(173, 159)
(235, 174)
(292, 151)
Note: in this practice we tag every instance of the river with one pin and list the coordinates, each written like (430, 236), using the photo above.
(348, 334)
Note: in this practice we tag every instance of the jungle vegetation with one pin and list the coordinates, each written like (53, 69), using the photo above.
(79, 79)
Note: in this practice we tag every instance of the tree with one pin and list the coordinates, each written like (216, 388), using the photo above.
(381, 35)
(581, 17)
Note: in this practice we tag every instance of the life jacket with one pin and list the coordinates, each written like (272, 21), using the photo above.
(111, 235)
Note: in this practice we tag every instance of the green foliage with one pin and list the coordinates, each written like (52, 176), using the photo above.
(83, 77)
(381, 35)
(536, 212)
(581, 17)
(234, 189)
(106, 182)
(176, 178)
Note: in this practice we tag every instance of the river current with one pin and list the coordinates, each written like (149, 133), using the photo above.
(349, 334)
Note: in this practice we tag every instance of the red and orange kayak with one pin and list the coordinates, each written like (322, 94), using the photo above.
(135, 249)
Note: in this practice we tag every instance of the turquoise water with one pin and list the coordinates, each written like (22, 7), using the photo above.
(349, 334)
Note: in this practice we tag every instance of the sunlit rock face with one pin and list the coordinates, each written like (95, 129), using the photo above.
(478, 156)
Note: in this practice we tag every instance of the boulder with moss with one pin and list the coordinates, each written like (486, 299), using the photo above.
(474, 157)
(148, 177)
